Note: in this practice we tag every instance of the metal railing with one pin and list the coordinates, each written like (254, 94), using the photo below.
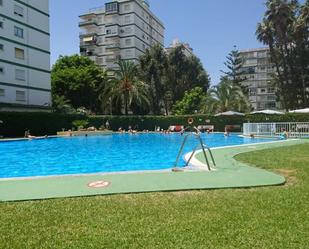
(293, 130)
(200, 145)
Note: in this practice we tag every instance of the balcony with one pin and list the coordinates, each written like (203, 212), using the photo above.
(85, 52)
(87, 44)
(111, 59)
(111, 33)
(88, 22)
(113, 45)
(87, 33)
(112, 8)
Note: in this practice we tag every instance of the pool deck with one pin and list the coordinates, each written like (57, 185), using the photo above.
(229, 173)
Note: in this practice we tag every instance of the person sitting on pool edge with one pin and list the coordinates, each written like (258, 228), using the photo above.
(28, 135)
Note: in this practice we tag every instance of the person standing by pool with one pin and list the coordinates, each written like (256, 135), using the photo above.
(107, 126)
(27, 134)
(226, 132)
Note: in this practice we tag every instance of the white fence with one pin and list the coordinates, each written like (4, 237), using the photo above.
(293, 130)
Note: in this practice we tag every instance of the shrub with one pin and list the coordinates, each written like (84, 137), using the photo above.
(80, 124)
(15, 123)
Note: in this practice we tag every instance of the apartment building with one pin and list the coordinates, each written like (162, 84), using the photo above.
(122, 29)
(24, 55)
(187, 50)
(259, 71)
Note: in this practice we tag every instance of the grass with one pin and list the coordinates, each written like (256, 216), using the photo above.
(272, 217)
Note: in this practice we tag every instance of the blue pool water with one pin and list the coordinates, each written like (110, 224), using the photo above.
(114, 153)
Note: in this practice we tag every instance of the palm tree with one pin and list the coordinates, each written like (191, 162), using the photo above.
(125, 88)
(226, 97)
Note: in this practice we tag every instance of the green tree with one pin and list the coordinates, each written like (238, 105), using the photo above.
(170, 75)
(191, 102)
(152, 69)
(234, 64)
(126, 88)
(185, 73)
(227, 96)
(284, 29)
(77, 79)
(61, 105)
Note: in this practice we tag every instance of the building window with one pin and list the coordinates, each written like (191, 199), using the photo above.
(2, 92)
(262, 90)
(252, 91)
(111, 7)
(127, 7)
(129, 53)
(128, 30)
(128, 42)
(18, 10)
(271, 98)
(127, 19)
(19, 32)
(271, 105)
(108, 31)
(1, 25)
(20, 96)
(20, 74)
(19, 53)
(1, 47)
(1, 70)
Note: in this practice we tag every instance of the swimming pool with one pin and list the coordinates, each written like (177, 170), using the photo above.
(100, 154)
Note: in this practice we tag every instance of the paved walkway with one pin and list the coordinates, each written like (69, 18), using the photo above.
(229, 174)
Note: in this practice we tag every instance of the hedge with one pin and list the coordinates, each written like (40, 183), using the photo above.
(16, 123)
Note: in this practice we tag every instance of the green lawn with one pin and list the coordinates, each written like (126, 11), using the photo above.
(272, 217)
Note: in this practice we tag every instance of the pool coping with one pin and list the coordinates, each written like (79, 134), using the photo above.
(197, 164)
(230, 174)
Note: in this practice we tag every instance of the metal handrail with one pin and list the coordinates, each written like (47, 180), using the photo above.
(197, 134)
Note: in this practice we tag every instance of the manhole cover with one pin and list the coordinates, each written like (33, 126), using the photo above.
(99, 184)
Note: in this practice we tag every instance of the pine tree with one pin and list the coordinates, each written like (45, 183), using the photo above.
(234, 64)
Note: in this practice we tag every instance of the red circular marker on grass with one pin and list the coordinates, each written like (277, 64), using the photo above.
(99, 184)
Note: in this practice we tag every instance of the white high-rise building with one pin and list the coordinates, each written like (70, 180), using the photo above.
(187, 50)
(258, 71)
(122, 29)
(24, 55)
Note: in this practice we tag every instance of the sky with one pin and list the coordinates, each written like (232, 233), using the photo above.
(211, 27)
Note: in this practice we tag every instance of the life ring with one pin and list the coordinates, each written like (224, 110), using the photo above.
(190, 121)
